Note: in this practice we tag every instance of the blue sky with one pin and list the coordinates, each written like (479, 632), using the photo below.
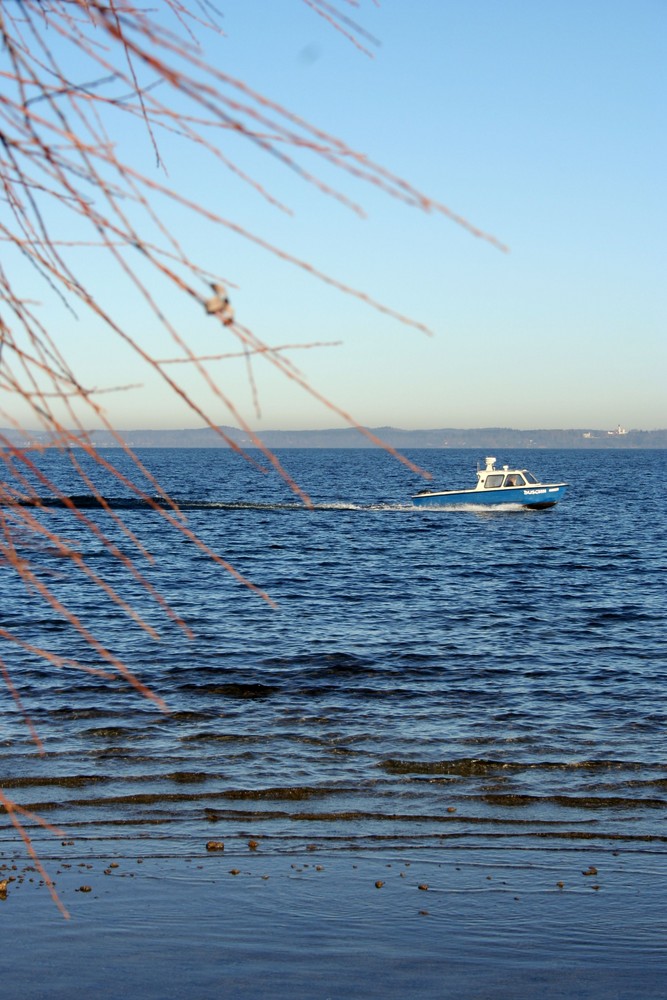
(541, 122)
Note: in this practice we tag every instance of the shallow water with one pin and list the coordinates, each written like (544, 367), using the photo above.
(479, 928)
(457, 679)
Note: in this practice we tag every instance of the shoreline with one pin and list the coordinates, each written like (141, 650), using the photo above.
(479, 923)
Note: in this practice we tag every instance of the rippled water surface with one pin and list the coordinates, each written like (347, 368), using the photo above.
(425, 677)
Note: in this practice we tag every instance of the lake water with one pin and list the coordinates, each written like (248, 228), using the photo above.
(428, 685)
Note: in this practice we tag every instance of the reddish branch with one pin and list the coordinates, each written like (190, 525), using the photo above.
(65, 184)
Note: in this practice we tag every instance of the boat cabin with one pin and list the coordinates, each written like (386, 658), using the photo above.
(490, 478)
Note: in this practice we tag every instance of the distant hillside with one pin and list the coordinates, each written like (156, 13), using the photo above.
(484, 438)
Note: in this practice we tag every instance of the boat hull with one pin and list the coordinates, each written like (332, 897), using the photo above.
(539, 496)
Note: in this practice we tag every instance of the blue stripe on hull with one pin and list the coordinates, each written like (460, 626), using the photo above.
(527, 496)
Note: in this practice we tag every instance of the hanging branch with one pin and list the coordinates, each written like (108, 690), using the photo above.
(67, 185)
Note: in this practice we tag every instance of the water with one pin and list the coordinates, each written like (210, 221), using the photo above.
(445, 674)
(457, 680)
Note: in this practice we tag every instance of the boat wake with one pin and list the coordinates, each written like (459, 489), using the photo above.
(91, 502)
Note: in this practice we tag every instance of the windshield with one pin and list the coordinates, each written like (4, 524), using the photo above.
(529, 476)
(515, 479)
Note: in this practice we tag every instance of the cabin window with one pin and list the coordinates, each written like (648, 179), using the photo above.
(530, 477)
(515, 479)
(493, 482)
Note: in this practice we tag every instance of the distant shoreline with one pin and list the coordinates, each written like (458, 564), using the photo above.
(485, 438)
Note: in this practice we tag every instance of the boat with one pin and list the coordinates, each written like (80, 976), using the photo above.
(498, 486)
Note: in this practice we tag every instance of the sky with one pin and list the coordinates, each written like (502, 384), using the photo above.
(542, 123)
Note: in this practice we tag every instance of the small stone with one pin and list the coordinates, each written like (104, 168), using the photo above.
(592, 870)
(84, 888)
(215, 845)
(379, 884)
(423, 886)
(234, 871)
(253, 844)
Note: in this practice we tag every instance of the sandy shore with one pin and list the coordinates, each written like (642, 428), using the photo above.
(471, 924)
